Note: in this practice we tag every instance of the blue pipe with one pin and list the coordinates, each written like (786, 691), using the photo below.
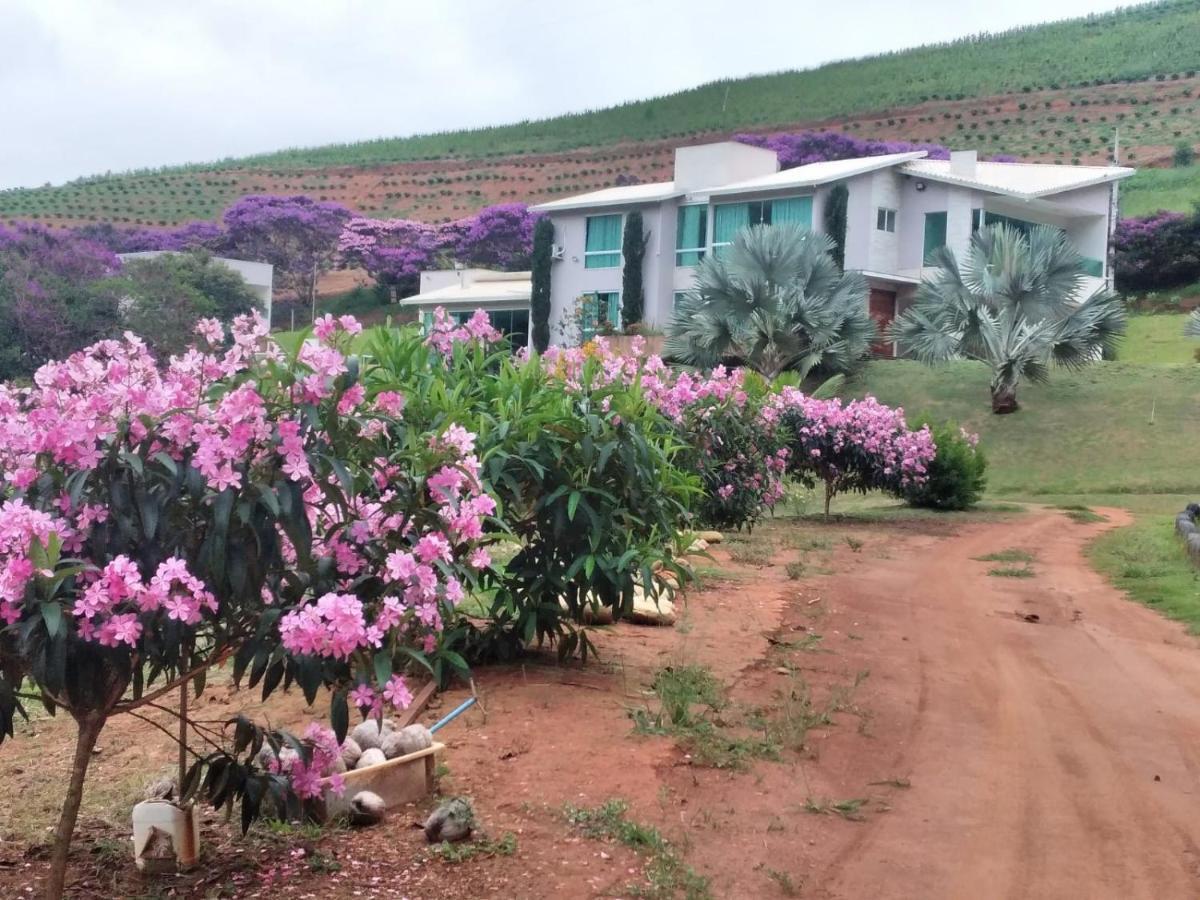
(454, 713)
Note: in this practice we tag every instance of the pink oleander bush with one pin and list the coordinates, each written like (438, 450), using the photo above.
(233, 502)
(860, 445)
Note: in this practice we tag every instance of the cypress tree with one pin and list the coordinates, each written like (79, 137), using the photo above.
(539, 299)
(633, 248)
(835, 222)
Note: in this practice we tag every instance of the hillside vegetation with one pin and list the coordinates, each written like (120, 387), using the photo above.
(1054, 92)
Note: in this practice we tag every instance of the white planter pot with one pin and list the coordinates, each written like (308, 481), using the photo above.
(166, 838)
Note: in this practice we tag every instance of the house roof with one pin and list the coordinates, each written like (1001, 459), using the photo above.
(614, 196)
(483, 290)
(1025, 181)
(813, 174)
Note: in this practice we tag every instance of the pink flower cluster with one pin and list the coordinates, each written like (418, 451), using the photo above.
(862, 438)
(445, 332)
(306, 777)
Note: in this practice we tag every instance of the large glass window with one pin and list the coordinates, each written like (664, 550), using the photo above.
(602, 247)
(691, 234)
(601, 313)
(730, 218)
(935, 234)
(513, 323)
(885, 219)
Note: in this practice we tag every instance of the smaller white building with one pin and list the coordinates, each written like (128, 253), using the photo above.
(504, 296)
(259, 276)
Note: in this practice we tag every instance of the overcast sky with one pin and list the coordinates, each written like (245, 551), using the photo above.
(88, 86)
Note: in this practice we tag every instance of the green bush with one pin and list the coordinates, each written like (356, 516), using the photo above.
(956, 476)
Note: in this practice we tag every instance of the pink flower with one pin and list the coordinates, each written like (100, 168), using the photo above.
(397, 693)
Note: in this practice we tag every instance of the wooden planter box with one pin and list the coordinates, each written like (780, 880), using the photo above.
(398, 781)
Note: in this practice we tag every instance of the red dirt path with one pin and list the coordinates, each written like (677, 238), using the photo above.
(1050, 758)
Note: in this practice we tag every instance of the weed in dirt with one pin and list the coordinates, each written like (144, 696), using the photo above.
(892, 782)
(322, 864)
(787, 884)
(1082, 515)
(1011, 572)
(854, 544)
(795, 570)
(690, 700)
(808, 642)
(480, 847)
(278, 828)
(756, 551)
(1011, 555)
(847, 809)
(666, 874)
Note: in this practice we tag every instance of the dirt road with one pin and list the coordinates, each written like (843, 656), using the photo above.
(1055, 758)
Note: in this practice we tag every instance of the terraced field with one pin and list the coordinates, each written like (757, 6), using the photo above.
(1052, 93)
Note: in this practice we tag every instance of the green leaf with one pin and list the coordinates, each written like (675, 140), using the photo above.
(339, 715)
(52, 615)
(383, 667)
(573, 504)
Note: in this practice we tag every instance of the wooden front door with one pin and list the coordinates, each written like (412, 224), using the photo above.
(882, 308)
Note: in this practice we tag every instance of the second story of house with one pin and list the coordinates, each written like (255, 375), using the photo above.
(899, 208)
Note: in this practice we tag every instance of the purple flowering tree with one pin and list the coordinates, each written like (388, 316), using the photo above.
(297, 235)
(1158, 251)
(393, 251)
(54, 296)
(798, 148)
(498, 237)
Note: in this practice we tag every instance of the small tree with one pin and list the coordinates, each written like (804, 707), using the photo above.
(539, 300)
(835, 222)
(775, 301)
(633, 251)
(163, 297)
(1014, 303)
(245, 505)
(1183, 156)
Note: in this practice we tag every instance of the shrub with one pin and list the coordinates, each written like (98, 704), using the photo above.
(633, 252)
(1183, 155)
(956, 477)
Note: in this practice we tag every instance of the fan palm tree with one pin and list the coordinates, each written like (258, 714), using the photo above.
(774, 301)
(1013, 303)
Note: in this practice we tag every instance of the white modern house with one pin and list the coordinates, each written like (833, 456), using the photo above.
(504, 296)
(259, 276)
(900, 207)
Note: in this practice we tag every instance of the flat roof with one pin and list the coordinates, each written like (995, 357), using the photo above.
(614, 196)
(813, 174)
(500, 290)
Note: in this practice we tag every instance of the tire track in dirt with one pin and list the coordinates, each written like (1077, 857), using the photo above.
(1048, 759)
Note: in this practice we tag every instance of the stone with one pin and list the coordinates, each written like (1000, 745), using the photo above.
(369, 734)
(370, 757)
(452, 821)
(367, 808)
(350, 752)
(162, 789)
(648, 611)
(698, 546)
(407, 740)
(711, 537)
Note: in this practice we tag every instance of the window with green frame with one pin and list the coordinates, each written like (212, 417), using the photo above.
(602, 245)
(601, 313)
(676, 297)
(935, 234)
(691, 234)
(730, 218)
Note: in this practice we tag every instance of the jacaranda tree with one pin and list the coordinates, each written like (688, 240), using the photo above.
(297, 235)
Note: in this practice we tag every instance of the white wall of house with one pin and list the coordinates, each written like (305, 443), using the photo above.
(708, 165)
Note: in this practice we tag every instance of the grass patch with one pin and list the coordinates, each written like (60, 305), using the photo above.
(795, 570)
(1148, 562)
(1011, 572)
(751, 550)
(847, 809)
(1157, 340)
(1082, 515)
(1010, 555)
(666, 873)
(506, 845)
(691, 704)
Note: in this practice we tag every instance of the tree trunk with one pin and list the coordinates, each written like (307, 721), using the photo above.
(829, 492)
(89, 727)
(1004, 400)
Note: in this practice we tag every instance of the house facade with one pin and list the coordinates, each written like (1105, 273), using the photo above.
(504, 296)
(900, 207)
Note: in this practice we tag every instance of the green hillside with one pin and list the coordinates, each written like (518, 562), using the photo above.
(1130, 44)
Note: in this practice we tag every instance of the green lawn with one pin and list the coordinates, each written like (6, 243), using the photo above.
(1113, 428)
(1154, 189)
(1147, 561)
(1158, 340)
